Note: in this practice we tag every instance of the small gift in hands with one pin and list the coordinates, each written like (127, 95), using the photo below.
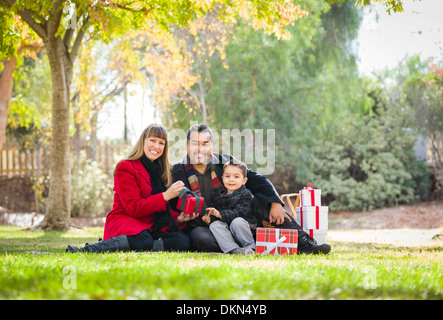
(190, 202)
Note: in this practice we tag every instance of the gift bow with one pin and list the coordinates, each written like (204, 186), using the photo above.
(308, 187)
(197, 196)
(311, 192)
(274, 245)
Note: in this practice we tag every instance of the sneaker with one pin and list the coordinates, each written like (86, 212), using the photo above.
(307, 245)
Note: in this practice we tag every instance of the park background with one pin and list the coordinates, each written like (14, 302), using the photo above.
(356, 104)
(355, 97)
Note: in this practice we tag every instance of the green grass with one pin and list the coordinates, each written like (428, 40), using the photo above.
(350, 271)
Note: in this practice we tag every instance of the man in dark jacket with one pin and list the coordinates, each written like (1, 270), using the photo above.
(201, 170)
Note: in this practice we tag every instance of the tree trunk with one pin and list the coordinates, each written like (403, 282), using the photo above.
(57, 215)
(92, 150)
(5, 95)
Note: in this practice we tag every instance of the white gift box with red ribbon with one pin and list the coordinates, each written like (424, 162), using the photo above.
(313, 217)
(310, 197)
(314, 220)
(319, 235)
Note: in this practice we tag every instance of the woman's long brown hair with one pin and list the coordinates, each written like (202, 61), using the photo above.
(157, 131)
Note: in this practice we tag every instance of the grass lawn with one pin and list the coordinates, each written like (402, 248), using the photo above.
(350, 271)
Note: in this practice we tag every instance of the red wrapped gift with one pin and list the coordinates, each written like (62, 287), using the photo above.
(189, 202)
(276, 241)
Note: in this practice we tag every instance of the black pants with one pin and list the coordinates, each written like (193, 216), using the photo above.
(203, 240)
(173, 241)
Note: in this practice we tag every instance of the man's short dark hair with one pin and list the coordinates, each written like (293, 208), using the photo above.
(199, 128)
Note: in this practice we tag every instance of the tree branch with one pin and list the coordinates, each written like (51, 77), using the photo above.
(68, 37)
(54, 18)
(26, 16)
(39, 28)
(78, 40)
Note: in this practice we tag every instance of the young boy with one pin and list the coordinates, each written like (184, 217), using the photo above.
(229, 212)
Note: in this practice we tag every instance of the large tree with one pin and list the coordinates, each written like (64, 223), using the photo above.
(63, 25)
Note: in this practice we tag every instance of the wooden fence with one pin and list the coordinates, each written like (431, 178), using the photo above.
(14, 162)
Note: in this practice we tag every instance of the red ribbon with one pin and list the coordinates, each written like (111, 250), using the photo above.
(301, 217)
(317, 217)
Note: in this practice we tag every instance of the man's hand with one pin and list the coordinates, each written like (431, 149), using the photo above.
(277, 214)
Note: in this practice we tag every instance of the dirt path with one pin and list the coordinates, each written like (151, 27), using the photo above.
(421, 215)
(406, 225)
(396, 237)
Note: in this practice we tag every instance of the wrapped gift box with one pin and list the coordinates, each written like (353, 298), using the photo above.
(310, 197)
(319, 235)
(276, 241)
(313, 217)
(189, 202)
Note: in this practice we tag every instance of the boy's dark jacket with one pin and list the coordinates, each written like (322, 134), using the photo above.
(257, 184)
(233, 205)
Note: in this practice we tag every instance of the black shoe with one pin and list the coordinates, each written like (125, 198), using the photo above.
(119, 243)
(307, 245)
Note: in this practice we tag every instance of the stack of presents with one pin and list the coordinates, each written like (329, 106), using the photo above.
(311, 215)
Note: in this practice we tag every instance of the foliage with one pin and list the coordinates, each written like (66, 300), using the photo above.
(91, 189)
(350, 271)
(297, 87)
(16, 37)
(368, 163)
(422, 102)
(238, 79)
(390, 5)
(91, 193)
(63, 31)
(29, 110)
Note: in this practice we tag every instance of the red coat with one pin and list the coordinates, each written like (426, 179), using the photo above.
(134, 206)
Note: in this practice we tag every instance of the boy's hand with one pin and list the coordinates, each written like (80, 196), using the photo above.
(214, 212)
(206, 218)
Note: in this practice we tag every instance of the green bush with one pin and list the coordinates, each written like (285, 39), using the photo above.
(367, 164)
(91, 190)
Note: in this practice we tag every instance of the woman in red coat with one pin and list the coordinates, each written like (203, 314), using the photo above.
(141, 218)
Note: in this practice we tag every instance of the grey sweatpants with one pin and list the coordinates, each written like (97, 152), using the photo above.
(238, 234)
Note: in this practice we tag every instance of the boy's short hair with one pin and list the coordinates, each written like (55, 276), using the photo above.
(199, 128)
(238, 164)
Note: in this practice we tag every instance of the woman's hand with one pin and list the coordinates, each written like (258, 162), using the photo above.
(173, 190)
(183, 217)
